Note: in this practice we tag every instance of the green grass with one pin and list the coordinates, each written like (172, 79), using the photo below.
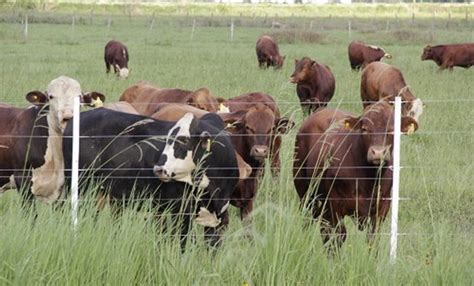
(437, 220)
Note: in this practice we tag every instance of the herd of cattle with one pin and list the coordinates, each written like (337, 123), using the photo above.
(196, 154)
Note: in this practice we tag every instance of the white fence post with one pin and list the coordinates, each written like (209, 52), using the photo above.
(25, 30)
(396, 178)
(75, 160)
(192, 30)
(232, 31)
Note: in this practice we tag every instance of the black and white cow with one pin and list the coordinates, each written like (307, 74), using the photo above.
(172, 163)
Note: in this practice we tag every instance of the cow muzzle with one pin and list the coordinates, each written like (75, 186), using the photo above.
(162, 174)
(64, 117)
(387, 55)
(378, 155)
(259, 152)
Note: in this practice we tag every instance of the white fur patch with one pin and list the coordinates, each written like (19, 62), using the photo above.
(205, 218)
(416, 110)
(223, 109)
(224, 208)
(123, 73)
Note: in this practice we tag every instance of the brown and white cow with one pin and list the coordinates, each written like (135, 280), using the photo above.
(361, 54)
(346, 169)
(268, 53)
(145, 98)
(384, 81)
(116, 55)
(32, 141)
(315, 84)
(449, 56)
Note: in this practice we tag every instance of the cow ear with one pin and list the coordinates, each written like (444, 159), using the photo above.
(93, 99)
(313, 63)
(37, 97)
(296, 61)
(352, 123)
(233, 120)
(205, 138)
(283, 125)
(409, 125)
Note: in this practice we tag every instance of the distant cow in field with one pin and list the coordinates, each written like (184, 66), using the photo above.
(145, 98)
(116, 55)
(268, 53)
(361, 54)
(381, 81)
(315, 84)
(343, 165)
(31, 147)
(449, 56)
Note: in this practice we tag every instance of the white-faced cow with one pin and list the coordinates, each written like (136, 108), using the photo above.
(188, 166)
(31, 139)
(116, 55)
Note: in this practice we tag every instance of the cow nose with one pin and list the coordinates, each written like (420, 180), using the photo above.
(67, 114)
(259, 151)
(159, 171)
(378, 155)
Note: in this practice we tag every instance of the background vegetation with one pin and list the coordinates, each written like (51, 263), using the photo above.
(436, 245)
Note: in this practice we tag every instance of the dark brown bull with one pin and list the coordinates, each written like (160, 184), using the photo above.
(116, 55)
(344, 170)
(315, 84)
(361, 54)
(268, 53)
(381, 81)
(449, 56)
(145, 98)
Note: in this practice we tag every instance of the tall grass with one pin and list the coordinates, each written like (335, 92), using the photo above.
(436, 220)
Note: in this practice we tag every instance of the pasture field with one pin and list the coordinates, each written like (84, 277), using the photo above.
(436, 223)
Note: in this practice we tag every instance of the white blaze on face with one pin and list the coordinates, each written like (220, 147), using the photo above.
(223, 109)
(61, 92)
(123, 73)
(416, 109)
(175, 168)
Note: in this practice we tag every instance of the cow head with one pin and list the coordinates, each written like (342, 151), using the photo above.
(122, 72)
(413, 108)
(60, 98)
(302, 69)
(203, 99)
(379, 53)
(257, 125)
(278, 61)
(93, 99)
(375, 126)
(427, 53)
(186, 144)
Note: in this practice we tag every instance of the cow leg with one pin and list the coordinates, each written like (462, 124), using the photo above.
(213, 235)
(275, 155)
(246, 217)
(107, 67)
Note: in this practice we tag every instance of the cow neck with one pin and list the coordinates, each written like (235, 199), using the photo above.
(48, 179)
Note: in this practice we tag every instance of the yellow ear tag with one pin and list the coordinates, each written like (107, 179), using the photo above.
(347, 125)
(208, 147)
(411, 129)
(34, 98)
(98, 102)
(229, 125)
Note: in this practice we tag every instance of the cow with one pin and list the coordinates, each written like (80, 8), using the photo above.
(268, 53)
(145, 98)
(383, 81)
(342, 166)
(188, 166)
(116, 55)
(315, 84)
(31, 139)
(449, 56)
(361, 54)
(254, 128)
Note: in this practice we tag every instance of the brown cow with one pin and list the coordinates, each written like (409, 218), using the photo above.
(315, 84)
(345, 171)
(449, 56)
(116, 55)
(268, 53)
(145, 98)
(361, 54)
(383, 81)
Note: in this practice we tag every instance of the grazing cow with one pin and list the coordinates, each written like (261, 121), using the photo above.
(116, 55)
(186, 166)
(31, 139)
(345, 170)
(253, 130)
(268, 53)
(383, 81)
(361, 54)
(315, 84)
(145, 98)
(449, 56)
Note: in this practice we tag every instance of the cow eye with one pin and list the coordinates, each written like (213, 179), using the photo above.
(51, 96)
(364, 129)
